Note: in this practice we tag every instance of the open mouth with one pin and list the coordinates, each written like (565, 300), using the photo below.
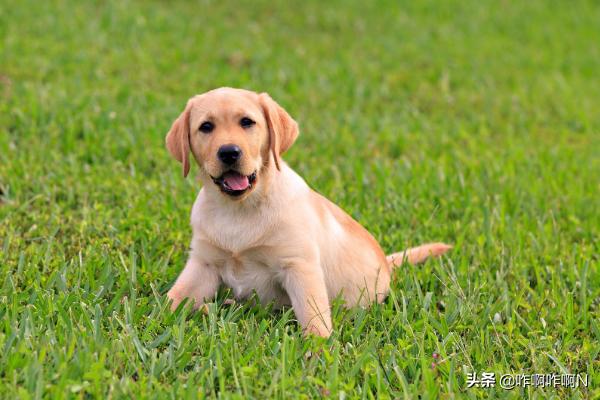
(235, 184)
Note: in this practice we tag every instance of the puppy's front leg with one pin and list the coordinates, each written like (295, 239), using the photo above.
(198, 281)
(305, 285)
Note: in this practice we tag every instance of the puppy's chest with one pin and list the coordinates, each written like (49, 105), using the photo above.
(232, 233)
(242, 248)
(245, 275)
(245, 272)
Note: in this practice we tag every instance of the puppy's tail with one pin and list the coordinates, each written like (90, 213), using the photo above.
(418, 254)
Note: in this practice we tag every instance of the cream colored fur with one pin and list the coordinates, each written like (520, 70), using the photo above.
(281, 240)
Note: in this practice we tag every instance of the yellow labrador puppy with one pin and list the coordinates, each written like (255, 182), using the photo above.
(258, 227)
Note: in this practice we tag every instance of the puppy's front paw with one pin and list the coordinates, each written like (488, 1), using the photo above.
(317, 329)
(175, 298)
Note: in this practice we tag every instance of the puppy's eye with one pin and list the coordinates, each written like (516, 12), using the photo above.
(246, 122)
(206, 127)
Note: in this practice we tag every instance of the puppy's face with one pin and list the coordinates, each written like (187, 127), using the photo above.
(234, 135)
(229, 138)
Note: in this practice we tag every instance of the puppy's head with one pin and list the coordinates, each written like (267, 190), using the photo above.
(234, 135)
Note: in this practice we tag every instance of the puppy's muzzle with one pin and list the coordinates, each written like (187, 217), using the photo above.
(234, 183)
(229, 154)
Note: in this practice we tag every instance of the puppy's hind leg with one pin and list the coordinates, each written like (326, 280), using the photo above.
(198, 281)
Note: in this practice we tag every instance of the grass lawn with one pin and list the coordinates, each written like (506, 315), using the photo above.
(474, 122)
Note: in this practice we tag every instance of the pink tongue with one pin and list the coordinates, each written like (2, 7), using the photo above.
(236, 181)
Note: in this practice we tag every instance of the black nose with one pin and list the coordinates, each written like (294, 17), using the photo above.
(229, 153)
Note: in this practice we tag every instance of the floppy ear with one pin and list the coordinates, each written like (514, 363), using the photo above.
(178, 139)
(283, 130)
